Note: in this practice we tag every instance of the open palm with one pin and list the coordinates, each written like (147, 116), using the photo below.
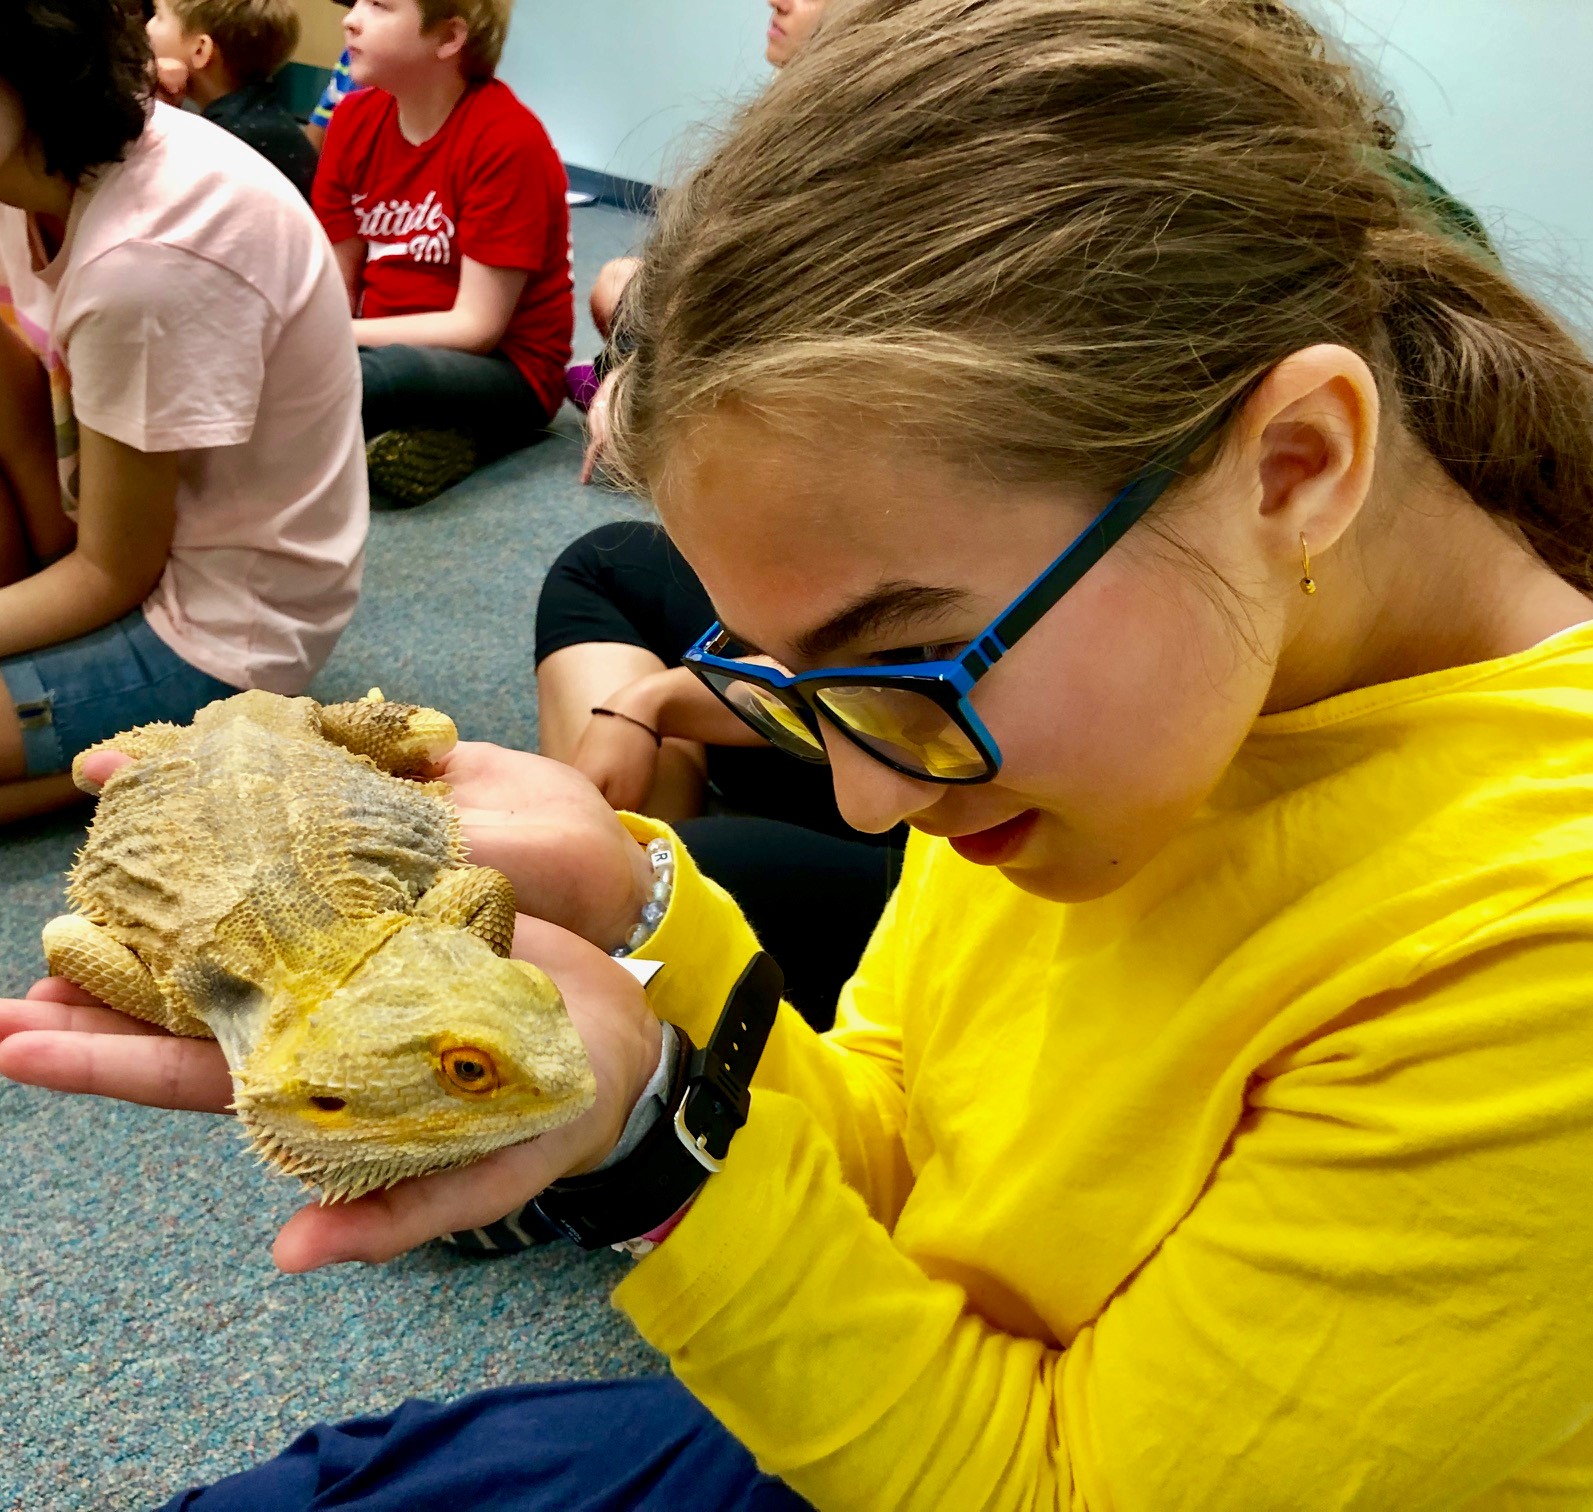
(60, 1037)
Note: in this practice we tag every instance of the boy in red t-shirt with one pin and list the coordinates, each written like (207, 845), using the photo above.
(444, 200)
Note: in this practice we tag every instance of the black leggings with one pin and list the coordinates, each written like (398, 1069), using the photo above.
(811, 886)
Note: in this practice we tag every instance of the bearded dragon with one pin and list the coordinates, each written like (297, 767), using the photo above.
(267, 877)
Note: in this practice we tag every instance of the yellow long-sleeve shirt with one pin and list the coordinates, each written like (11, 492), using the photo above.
(1264, 1182)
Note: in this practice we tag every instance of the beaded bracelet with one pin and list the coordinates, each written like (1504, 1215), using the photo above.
(662, 856)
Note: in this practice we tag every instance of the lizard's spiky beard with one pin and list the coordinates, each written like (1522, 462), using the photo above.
(349, 1170)
(339, 1182)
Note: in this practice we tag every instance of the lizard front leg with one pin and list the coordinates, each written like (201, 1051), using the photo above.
(400, 738)
(95, 960)
(475, 898)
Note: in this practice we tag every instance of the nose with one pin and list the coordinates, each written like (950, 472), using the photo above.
(871, 796)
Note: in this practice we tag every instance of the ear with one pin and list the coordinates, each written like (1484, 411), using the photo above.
(1311, 429)
(202, 52)
(452, 35)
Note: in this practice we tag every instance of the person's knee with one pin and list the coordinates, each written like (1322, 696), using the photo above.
(396, 381)
(386, 369)
(611, 283)
(588, 562)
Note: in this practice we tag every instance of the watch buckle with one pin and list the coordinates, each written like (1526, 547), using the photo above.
(696, 1144)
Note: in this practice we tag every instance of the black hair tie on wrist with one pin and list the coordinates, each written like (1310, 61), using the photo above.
(658, 740)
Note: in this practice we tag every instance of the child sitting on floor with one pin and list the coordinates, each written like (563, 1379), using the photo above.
(338, 88)
(221, 54)
(182, 498)
(792, 24)
(444, 200)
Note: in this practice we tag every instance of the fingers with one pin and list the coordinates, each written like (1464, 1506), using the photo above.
(59, 990)
(158, 1070)
(99, 767)
(385, 1224)
(79, 1015)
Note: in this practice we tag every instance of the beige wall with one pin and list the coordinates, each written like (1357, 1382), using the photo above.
(320, 32)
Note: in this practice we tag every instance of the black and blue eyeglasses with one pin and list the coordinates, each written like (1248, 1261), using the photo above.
(917, 718)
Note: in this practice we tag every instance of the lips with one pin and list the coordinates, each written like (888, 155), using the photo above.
(999, 843)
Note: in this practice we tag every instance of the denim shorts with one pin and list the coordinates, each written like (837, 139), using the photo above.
(72, 696)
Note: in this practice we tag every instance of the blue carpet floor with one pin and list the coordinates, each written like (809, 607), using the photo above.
(146, 1341)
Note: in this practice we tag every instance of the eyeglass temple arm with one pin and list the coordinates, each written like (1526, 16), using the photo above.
(1097, 538)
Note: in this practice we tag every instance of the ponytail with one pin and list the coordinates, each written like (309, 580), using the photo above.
(1494, 389)
(1054, 236)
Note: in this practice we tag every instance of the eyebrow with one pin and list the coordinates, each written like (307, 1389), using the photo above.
(880, 609)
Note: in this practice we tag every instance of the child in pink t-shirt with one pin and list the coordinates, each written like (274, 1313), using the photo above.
(182, 497)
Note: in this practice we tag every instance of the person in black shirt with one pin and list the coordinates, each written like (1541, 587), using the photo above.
(221, 54)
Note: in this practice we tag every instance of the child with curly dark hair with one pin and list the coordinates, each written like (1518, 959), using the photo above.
(182, 498)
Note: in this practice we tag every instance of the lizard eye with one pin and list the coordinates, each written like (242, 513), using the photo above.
(467, 1069)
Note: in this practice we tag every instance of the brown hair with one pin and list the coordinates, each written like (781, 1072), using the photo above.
(486, 26)
(1058, 235)
(255, 37)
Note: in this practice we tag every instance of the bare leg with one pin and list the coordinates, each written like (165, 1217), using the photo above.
(33, 532)
(36, 796)
(574, 681)
(476, 898)
(16, 555)
(30, 491)
(22, 797)
(606, 291)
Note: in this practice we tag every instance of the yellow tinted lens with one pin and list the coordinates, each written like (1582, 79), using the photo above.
(768, 715)
(906, 728)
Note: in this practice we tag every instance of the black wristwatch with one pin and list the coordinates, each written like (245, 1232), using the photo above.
(708, 1103)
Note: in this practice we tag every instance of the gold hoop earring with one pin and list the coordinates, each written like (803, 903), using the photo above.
(1307, 583)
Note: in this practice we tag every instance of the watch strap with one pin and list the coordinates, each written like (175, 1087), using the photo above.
(719, 1076)
(710, 1099)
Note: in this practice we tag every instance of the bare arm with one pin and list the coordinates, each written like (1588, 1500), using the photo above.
(645, 775)
(481, 313)
(350, 256)
(676, 703)
(126, 519)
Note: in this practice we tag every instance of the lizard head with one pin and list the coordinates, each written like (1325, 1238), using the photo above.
(434, 1053)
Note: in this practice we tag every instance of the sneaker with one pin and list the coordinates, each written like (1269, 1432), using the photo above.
(414, 466)
(508, 1236)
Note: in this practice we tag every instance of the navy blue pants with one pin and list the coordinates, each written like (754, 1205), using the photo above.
(606, 1447)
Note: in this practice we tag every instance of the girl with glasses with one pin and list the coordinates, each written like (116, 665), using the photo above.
(1102, 456)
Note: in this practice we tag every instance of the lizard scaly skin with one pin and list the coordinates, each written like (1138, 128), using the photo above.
(266, 877)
